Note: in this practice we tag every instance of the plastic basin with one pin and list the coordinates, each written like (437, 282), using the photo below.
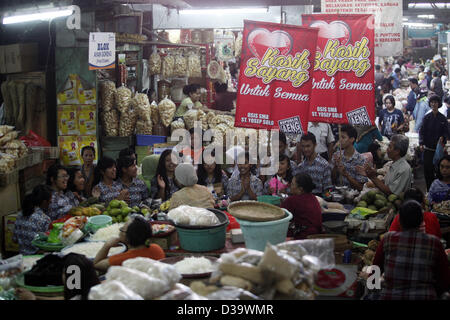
(258, 234)
(276, 201)
(202, 239)
(98, 222)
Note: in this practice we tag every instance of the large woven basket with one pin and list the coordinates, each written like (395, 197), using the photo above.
(255, 211)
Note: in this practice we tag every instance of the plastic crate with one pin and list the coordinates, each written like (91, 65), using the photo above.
(149, 140)
(23, 162)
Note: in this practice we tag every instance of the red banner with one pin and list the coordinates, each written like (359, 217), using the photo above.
(343, 79)
(275, 76)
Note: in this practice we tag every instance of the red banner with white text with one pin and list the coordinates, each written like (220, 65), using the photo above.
(275, 77)
(343, 78)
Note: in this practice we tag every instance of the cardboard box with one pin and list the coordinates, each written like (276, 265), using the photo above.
(10, 199)
(21, 57)
(341, 281)
(8, 223)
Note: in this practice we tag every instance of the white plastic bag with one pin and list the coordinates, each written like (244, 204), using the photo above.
(155, 269)
(112, 290)
(139, 282)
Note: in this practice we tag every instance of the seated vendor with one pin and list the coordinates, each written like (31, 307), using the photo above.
(32, 219)
(191, 194)
(430, 222)
(398, 178)
(106, 188)
(244, 185)
(440, 188)
(314, 165)
(88, 279)
(134, 234)
(164, 184)
(347, 159)
(414, 263)
(210, 174)
(192, 101)
(137, 190)
(57, 179)
(305, 208)
(281, 181)
(76, 187)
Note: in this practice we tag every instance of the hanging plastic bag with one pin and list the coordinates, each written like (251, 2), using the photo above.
(438, 154)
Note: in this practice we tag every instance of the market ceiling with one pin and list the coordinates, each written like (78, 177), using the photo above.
(441, 15)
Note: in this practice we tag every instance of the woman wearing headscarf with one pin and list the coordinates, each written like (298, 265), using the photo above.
(149, 166)
(191, 194)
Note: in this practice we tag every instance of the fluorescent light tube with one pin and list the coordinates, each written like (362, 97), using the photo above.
(427, 5)
(418, 24)
(37, 16)
(224, 11)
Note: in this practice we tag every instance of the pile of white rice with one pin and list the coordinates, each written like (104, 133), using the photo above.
(194, 265)
(107, 233)
(90, 249)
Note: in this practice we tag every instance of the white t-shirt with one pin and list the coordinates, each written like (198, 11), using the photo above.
(323, 133)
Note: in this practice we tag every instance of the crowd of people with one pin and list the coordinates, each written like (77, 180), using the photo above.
(308, 166)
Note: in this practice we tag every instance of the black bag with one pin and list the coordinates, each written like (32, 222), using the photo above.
(47, 271)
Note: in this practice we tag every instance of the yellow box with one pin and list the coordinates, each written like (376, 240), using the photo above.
(8, 224)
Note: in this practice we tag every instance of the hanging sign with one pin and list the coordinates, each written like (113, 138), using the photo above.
(275, 76)
(388, 21)
(102, 50)
(343, 81)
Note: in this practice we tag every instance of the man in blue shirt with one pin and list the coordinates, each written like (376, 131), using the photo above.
(412, 96)
(397, 76)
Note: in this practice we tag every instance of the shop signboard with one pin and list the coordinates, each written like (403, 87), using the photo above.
(343, 78)
(388, 21)
(102, 50)
(275, 76)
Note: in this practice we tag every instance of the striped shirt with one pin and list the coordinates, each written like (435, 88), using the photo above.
(320, 172)
(138, 192)
(59, 205)
(26, 229)
(173, 187)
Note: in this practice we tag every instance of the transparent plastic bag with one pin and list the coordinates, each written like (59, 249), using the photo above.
(142, 107)
(127, 123)
(144, 127)
(166, 111)
(321, 251)
(180, 65)
(110, 121)
(194, 68)
(155, 269)
(107, 93)
(137, 281)
(154, 63)
(123, 99)
(168, 64)
(181, 292)
(154, 113)
(232, 293)
(112, 290)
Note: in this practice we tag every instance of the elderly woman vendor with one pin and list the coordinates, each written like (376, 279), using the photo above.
(191, 194)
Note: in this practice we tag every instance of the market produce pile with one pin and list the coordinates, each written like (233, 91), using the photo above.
(442, 207)
(119, 210)
(11, 149)
(285, 271)
(376, 200)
